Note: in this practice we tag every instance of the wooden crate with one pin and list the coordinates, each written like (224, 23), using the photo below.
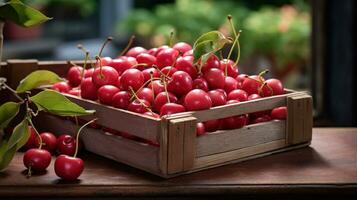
(180, 150)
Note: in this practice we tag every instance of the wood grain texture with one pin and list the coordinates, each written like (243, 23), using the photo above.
(228, 140)
(328, 166)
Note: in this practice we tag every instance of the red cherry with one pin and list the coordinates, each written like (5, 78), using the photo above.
(123, 63)
(168, 70)
(132, 78)
(188, 53)
(66, 144)
(279, 113)
(166, 57)
(105, 61)
(218, 97)
(200, 83)
(49, 141)
(74, 75)
(182, 47)
(88, 72)
(62, 87)
(215, 78)
(104, 76)
(272, 87)
(88, 89)
(171, 108)
(253, 97)
(135, 51)
(161, 99)
(241, 77)
(197, 99)
(238, 94)
(138, 106)
(200, 129)
(37, 159)
(212, 125)
(230, 84)
(212, 62)
(252, 84)
(186, 64)
(180, 83)
(235, 121)
(121, 99)
(146, 58)
(157, 86)
(153, 51)
(146, 94)
(261, 119)
(75, 92)
(232, 70)
(106, 93)
(147, 73)
(68, 168)
(151, 114)
(32, 141)
(163, 47)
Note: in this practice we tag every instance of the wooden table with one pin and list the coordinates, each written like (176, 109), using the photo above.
(328, 167)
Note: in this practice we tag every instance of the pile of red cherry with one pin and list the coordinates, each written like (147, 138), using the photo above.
(164, 80)
(67, 166)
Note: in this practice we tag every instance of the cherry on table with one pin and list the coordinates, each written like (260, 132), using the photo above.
(32, 141)
(68, 168)
(37, 159)
(49, 141)
(66, 144)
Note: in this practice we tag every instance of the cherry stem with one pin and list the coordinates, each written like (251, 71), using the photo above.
(261, 74)
(131, 40)
(260, 91)
(171, 39)
(152, 85)
(85, 51)
(85, 64)
(100, 66)
(104, 44)
(141, 103)
(34, 128)
(28, 175)
(139, 64)
(148, 81)
(162, 74)
(236, 40)
(79, 131)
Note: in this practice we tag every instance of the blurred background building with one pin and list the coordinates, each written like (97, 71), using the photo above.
(310, 45)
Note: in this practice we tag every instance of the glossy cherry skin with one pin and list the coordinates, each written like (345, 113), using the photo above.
(200, 83)
(147, 73)
(32, 141)
(212, 125)
(186, 64)
(49, 141)
(156, 86)
(153, 51)
(230, 84)
(188, 53)
(253, 97)
(104, 76)
(168, 70)
(252, 84)
(62, 87)
(135, 51)
(200, 129)
(66, 144)
(182, 47)
(74, 75)
(139, 106)
(241, 77)
(106, 93)
(212, 62)
(146, 94)
(75, 92)
(152, 114)
(88, 72)
(197, 99)
(68, 168)
(161, 99)
(234, 122)
(228, 65)
(180, 83)
(145, 58)
(171, 108)
(88, 89)
(121, 99)
(37, 159)
(123, 63)
(261, 119)
(215, 78)
(279, 113)
(218, 97)
(238, 94)
(260, 113)
(166, 57)
(132, 78)
(104, 61)
(272, 87)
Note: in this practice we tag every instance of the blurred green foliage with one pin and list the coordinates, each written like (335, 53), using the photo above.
(276, 31)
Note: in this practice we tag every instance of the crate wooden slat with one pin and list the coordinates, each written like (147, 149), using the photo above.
(180, 151)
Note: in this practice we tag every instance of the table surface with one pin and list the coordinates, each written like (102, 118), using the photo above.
(328, 165)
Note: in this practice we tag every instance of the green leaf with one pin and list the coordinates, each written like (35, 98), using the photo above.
(19, 136)
(6, 155)
(36, 79)
(22, 14)
(209, 42)
(55, 103)
(8, 111)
